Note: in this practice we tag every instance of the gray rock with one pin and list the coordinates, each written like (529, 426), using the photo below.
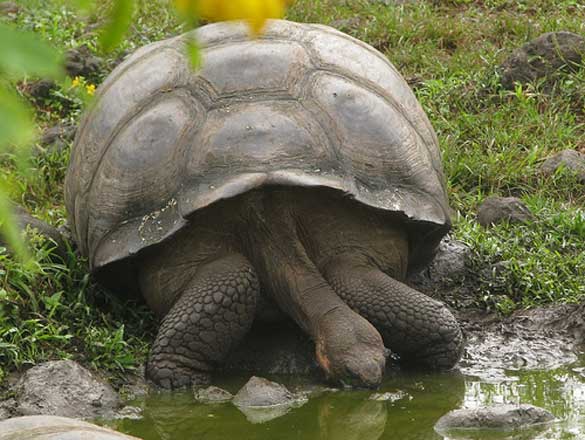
(571, 160)
(40, 89)
(212, 395)
(9, 8)
(63, 132)
(55, 139)
(64, 388)
(25, 220)
(501, 417)
(7, 409)
(262, 400)
(498, 209)
(451, 261)
(81, 62)
(541, 57)
(449, 276)
(262, 392)
(55, 428)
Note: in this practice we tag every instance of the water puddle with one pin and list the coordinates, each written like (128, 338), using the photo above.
(406, 407)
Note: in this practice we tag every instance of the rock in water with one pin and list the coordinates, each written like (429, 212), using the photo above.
(498, 209)
(262, 392)
(501, 417)
(55, 428)
(541, 57)
(262, 400)
(212, 394)
(64, 388)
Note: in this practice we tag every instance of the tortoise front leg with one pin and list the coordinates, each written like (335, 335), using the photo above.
(213, 313)
(421, 330)
(348, 348)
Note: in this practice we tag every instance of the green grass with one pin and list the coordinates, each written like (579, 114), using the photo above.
(51, 309)
(493, 142)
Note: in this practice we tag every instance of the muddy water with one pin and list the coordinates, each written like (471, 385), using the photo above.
(410, 406)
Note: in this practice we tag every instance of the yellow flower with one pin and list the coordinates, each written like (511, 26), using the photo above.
(255, 12)
(76, 82)
(90, 89)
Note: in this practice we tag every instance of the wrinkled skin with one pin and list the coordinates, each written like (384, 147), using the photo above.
(332, 265)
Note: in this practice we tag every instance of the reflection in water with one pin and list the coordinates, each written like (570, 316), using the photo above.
(364, 421)
(348, 415)
(561, 391)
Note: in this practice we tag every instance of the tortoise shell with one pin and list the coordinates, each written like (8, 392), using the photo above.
(304, 105)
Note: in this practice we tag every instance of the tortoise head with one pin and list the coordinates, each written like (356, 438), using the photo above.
(350, 350)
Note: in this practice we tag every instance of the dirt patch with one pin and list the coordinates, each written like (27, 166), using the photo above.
(535, 339)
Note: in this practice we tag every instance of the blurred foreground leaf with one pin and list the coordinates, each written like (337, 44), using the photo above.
(83, 5)
(120, 18)
(11, 233)
(16, 125)
(23, 54)
(194, 53)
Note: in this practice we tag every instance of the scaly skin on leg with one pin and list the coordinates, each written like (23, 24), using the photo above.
(214, 312)
(421, 330)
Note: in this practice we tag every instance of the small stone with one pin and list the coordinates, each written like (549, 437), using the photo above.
(81, 62)
(502, 417)
(451, 260)
(449, 276)
(498, 209)
(39, 90)
(212, 394)
(57, 132)
(9, 8)
(55, 139)
(571, 160)
(25, 221)
(390, 397)
(129, 412)
(542, 57)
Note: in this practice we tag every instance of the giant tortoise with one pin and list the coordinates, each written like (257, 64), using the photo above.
(296, 172)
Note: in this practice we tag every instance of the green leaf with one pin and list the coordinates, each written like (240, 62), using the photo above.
(16, 124)
(194, 54)
(119, 22)
(22, 53)
(10, 230)
(83, 5)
